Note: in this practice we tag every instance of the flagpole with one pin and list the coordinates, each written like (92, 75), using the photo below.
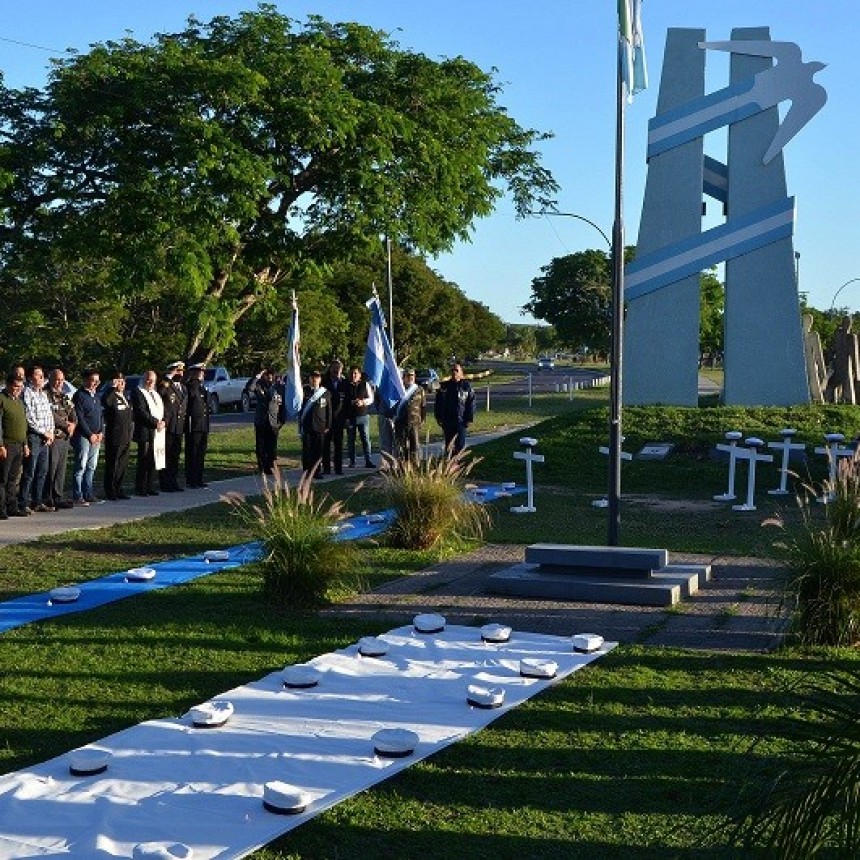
(614, 492)
(390, 293)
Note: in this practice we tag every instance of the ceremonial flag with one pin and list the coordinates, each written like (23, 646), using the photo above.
(631, 45)
(379, 363)
(293, 376)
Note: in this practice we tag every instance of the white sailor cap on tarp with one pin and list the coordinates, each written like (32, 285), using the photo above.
(429, 622)
(301, 676)
(285, 799)
(211, 715)
(371, 646)
(495, 633)
(537, 667)
(161, 851)
(587, 642)
(482, 696)
(394, 743)
(88, 761)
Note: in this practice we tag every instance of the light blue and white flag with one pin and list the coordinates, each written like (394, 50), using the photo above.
(631, 45)
(293, 376)
(380, 365)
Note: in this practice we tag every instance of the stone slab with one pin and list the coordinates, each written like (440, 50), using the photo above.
(702, 570)
(527, 580)
(607, 559)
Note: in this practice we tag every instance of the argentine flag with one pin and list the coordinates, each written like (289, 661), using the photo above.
(631, 45)
(379, 363)
(293, 377)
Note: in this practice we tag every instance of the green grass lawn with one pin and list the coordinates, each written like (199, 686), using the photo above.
(650, 752)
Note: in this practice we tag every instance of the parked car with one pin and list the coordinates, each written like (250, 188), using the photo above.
(428, 379)
(224, 389)
(546, 362)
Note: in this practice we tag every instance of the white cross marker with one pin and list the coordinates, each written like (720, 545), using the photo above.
(733, 437)
(786, 446)
(751, 454)
(834, 451)
(530, 457)
(625, 455)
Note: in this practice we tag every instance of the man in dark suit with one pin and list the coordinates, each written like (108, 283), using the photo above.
(196, 427)
(338, 389)
(175, 397)
(118, 422)
(314, 422)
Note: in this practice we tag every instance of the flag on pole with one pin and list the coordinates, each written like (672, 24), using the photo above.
(293, 376)
(631, 46)
(380, 365)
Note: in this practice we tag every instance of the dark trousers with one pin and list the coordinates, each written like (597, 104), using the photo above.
(359, 425)
(312, 451)
(455, 438)
(333, 442)
(10, 476)
(116, 462)
(195, 455)
(169, 476)
(34, 479)
(266, 444)
(144, 476)
(58, 458)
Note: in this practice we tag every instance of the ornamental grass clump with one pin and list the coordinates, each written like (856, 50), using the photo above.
(301, 558)
(431, 505)
(823, 560)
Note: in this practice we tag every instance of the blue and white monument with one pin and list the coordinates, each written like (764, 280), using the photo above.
(764, 347)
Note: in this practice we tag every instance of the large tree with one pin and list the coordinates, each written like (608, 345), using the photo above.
(574, 294)
(196, 174)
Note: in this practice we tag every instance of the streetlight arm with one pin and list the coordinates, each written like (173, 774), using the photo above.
(836, 294)
(579, 218)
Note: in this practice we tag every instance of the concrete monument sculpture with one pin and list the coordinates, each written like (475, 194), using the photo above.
(764, 347)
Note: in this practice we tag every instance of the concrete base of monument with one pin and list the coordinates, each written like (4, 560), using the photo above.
(620, 575)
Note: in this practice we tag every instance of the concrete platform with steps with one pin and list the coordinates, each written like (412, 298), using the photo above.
(620, 575)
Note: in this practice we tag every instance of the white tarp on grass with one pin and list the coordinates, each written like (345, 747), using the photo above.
(202, 787)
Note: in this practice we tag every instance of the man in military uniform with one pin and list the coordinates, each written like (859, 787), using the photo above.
(455, 409)
(64, 426)
(175, 397)
(196, 427)
(314, 422)
(409, 419)
(268, 419)
(118, 425)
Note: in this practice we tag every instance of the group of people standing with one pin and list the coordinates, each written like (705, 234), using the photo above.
(41, 423)
(335, 406)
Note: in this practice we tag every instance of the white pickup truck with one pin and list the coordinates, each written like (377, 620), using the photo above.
(224, 390)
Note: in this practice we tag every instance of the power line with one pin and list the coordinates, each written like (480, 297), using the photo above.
(31, 45)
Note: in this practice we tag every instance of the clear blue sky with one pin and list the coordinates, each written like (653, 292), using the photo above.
(556, 62)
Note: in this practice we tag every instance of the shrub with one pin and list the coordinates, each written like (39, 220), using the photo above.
(823, 560)
(430, 502)
(813, 808)
(301, 557)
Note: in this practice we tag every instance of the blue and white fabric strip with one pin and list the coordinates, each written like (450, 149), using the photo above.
(116, 586)
(733, 239)
(715, 179)
(699, 116)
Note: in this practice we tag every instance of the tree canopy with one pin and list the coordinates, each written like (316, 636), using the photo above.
(574, 294)
(159, 192)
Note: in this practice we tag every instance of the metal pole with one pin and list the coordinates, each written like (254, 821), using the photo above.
(614, 494)
(390, 294)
